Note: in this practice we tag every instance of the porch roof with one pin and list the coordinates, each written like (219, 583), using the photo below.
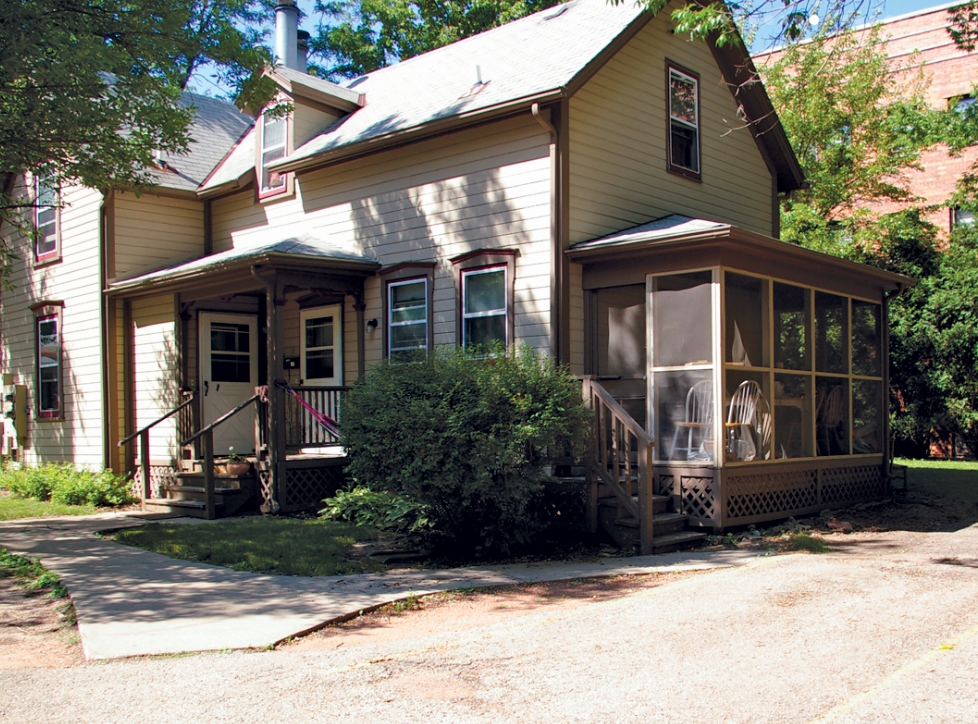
(675, 232)
(302, 252)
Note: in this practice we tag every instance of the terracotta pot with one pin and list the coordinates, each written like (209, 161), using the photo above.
(240, 468)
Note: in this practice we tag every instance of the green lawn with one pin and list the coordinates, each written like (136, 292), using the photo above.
(285, 546)
(12, 507)
(945, 478)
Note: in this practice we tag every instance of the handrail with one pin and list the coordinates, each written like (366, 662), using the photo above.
(619, 456)
(172, 412)
(222, 418)
(321, 388)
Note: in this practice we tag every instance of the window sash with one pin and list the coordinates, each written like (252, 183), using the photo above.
(684, 122)
(272, 180)
(471, 319)
(45, 219)
(48, 354)
(407, 321)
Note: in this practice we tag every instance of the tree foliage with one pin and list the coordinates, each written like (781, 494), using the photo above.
(359, 36)
(857, 130)
(91, 88)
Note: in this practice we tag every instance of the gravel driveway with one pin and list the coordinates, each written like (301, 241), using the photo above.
(885, 630)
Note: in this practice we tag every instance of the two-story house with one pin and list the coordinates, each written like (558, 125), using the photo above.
(583, 181)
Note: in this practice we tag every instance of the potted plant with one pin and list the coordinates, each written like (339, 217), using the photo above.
(236, 465)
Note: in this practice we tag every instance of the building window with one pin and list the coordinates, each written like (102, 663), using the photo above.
(47, 246)
(684, 122)
(407, 314)
(961, 104)
(484, 307)
(321, 346)
(962, 217)
(274, 136)
(47, 329)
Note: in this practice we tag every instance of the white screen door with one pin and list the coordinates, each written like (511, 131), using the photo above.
(321, 346)
(229, 374)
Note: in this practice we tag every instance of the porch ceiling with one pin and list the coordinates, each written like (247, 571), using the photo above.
(700, 240)
(315, 263)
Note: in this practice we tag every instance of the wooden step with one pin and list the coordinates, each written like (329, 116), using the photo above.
(659, 502)
(188, 508)
(683, 540)
(662, 523)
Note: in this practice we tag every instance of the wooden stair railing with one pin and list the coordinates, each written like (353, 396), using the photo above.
(619, 456)
(143, 435)
(206, 435)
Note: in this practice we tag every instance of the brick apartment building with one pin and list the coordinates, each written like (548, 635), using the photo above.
(952, 74)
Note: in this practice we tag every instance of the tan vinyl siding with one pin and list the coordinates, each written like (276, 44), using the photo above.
(152, 232)
(309, 121)
(618, 142)
(156, 372)
(482, 188)
(73, 280)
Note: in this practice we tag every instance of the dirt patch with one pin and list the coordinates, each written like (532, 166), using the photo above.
(33, 634)
(460, 611)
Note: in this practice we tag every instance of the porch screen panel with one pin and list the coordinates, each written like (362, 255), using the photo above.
(866, 338)
(748, 423)
(792, 416)
(682, 319)
(867, 417)
(230, 352)
(831, 333)
(621, 350)
(792, 314)
(831, 416)
(745, 307)
(683, 417)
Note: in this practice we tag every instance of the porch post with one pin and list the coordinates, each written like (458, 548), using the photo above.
(359, 306)
(276, 396)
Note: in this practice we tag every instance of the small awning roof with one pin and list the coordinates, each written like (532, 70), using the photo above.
(296, 251)
(683, 232)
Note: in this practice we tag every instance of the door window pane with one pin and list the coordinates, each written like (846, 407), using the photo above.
(319, 332)
(230, 352)
(831, 333)
(623, 335)
(319, 364)
(866, 338)
(792, 313)
(682, 316)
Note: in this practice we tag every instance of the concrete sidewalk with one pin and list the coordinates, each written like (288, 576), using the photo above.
(134, 603)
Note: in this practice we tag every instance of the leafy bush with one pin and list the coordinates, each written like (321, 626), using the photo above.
(468, 438)
(382, 510)
(66, 485)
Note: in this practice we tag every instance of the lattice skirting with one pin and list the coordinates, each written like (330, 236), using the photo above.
(159, 475)
(566, 504)
(306, 487)
(697, 496)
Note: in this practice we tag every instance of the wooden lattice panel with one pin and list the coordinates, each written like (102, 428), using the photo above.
(664, 484)
(699, 499)
(265, 489)
(306, 487)
(840, 485)
(770, 494)
(159, 476)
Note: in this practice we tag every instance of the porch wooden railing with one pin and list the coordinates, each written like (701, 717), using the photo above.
(145, 483)
(206, 436)
(301, 428)
(620, 457)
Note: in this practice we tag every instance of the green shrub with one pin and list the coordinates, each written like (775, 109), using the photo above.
(468, 438)
(383, 510)
(66, 485)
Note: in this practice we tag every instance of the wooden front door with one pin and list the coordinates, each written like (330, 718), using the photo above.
(229, 374)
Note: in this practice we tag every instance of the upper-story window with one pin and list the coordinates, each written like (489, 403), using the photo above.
(684, 122)
(47, 238)
(274, 135)
(961, 217)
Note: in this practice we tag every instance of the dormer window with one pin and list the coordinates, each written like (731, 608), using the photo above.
(684, 122)
(274, 136)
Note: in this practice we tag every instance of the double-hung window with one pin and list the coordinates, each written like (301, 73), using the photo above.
(47, 246)
(485, 309)
(47, 328)
(407, 314)
(274, 133)
(684, 122)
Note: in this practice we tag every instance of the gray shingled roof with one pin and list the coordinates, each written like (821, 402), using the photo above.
(217, 125)
(664, 228)
(239, 161)
(524, 58)
(297, 247)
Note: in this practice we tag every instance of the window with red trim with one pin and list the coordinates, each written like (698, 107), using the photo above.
(684, 122)
(274, 146)
(47, 328)
(47, 234)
